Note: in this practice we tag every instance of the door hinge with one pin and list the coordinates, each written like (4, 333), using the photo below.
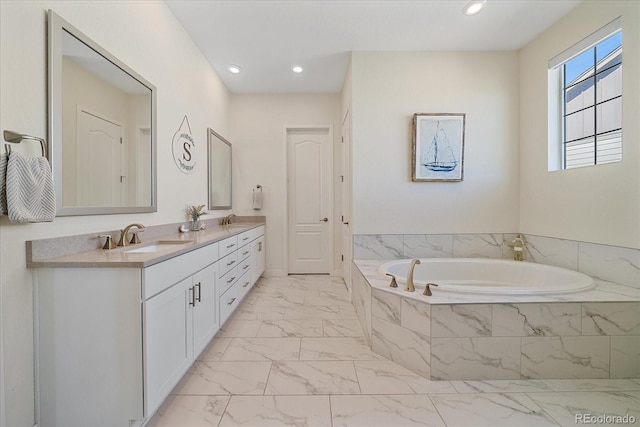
(120, 140)
(341, 178)
(342, 139)
(342, 218)
(342, 257)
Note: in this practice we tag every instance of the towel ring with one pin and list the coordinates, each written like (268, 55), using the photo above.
(17, 138)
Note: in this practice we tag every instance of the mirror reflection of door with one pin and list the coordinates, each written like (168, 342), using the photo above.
(100, 162)
(142, 167)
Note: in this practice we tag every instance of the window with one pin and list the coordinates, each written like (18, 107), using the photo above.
(590, 122)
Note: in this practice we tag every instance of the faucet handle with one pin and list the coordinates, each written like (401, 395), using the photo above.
(393, 284)
(108, 244)
(427, 289)
(134, 238)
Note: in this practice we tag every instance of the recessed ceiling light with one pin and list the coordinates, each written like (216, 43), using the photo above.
(235, 69)
(297, 69)
(473, 7)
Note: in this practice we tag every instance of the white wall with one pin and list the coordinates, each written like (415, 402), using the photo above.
(388, 88)
(147, 37)
(598, 204)
(260, 157)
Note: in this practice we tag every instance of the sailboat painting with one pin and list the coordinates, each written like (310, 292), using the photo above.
(438, 147)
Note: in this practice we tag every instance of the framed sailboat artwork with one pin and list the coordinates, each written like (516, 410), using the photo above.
(438, 147)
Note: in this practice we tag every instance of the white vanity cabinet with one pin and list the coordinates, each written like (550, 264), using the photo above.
(113, 341)
(178, 323)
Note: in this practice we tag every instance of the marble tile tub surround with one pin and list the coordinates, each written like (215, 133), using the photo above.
(610, 263)
(38, 250)
(457, 339)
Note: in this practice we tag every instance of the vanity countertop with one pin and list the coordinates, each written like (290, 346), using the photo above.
(119, 258)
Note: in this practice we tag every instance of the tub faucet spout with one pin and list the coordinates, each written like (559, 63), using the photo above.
(410, 287)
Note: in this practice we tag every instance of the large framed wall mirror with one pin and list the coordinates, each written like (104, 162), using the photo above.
(102, 128)
(219, 159)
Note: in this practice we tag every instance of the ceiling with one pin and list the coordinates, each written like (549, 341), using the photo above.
(266, 38)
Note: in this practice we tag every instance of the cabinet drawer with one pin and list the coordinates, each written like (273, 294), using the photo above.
(244, 266)
(228, 303)
(228, 245)
(228, 280)
(245, 238)
(244, 284)
(159, 277)
(227, 263)
(243, 253)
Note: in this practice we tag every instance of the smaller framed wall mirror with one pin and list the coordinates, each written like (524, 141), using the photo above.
(219, 159)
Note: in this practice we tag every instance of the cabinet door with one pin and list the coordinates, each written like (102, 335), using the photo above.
(259, 258)
(205, 319)
(167, 343)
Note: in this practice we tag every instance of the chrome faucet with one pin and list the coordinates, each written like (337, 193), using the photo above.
(410, 287)
(227, 219)
(125, 232)
(518, 248)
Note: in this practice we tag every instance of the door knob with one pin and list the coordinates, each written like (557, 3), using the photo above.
(324, 220)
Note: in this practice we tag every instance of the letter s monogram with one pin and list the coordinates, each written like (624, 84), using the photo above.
(186, 146)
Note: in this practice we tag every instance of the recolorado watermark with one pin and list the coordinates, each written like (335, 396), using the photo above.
(604, 419)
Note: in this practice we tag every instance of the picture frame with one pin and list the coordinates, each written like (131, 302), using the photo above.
(437, 153)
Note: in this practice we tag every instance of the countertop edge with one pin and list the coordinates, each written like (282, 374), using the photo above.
(146, 259)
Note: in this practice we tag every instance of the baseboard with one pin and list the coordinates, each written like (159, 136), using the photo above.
(274, 273)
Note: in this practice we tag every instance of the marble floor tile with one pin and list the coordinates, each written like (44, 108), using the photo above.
(291, 328)
(338, 294)
(326, 301)
(313, 313)
(386, 377)
(280, 300)
(190, 411)
(324, 377)
(250, 349)
(500, 386)
(336, 349)
(384, 411)
(214, 351)
(592, 385)
(565, 407)
(276, 411)
(491, 409)
(211, 378)
(240, 328)
(342, 328)
(247, 312)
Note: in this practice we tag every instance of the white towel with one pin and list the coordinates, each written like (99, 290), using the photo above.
(29, 189)
(257, 200)
(3, 183)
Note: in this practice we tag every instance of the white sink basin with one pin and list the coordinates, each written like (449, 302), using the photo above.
(161, 245)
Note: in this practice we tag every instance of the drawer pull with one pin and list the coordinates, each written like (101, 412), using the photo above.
(231, 245)
(246, 266)
(199, 286)
(246, 238)
(231, 263)
(245, 285)
(245, 253)
(231, 301)
(232, 279)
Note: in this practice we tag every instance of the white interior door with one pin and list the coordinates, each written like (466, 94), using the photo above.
(310, 204)
(100, 162)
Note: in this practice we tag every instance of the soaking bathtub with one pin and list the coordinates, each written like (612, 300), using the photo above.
(494, 319)
(488, 276)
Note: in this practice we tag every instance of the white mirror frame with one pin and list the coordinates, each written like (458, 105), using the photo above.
(215, 138)
(56, 25)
